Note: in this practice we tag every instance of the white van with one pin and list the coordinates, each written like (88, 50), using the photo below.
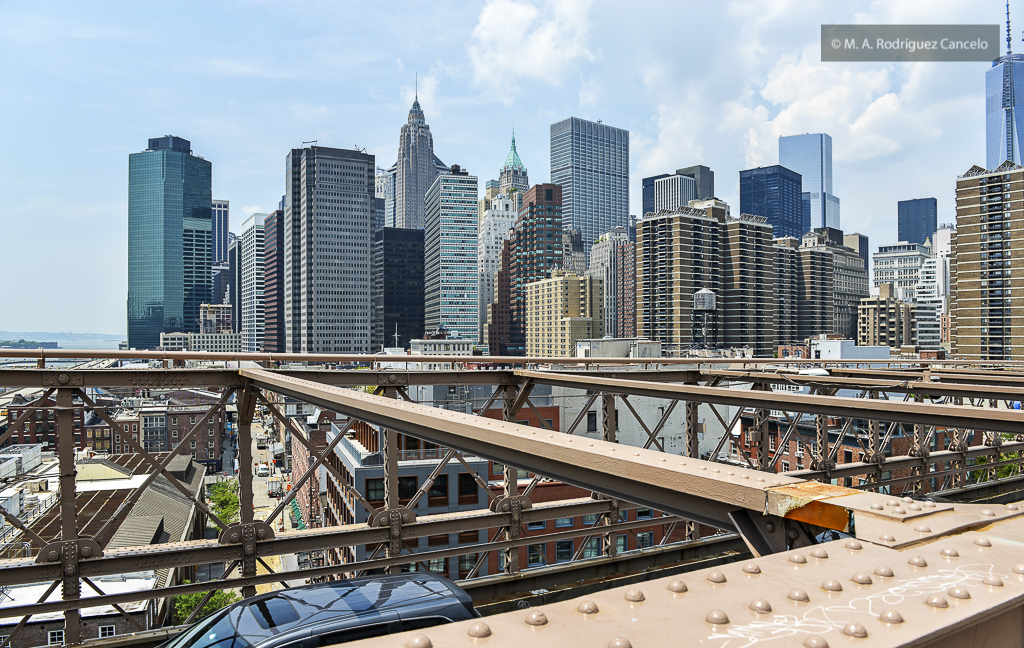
(262, 470)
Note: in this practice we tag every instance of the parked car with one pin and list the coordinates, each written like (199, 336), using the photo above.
(330, 613)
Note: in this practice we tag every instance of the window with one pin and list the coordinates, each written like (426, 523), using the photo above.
(210, 431)
(771, 443)
(591, 421)
(624, 515)
(590, 520)
(174, 434)
(536, 526)
(785, 466)
(438, 565)
(466, 564)
(644, 514)
(467, 489)
(406, 487)
(563, 550)
(645, 540)
(469, 536)
(437, 540)
(564, 522)
(192, 445)
(438, 493)
(192, 420)
(107, 631)
(375, 489)
(620, 543)
(593, 548)
(55, 638)
(174, 420)
(535, 556)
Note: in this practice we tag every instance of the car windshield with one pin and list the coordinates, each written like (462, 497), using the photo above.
(218, 630)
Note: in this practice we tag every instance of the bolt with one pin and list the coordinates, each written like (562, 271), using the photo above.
(861, 578)
(936, 601)
(815, 642)
(479, 630)
(751, 568)
(250, 551)
(677, 586)
(960, 593)
(63, 378)
(798, 595)
(770, 527)
(716, 577)
(950, 552)
(887, 537)
(854, 545)
(587, 607)
(717, 617)
(536, 618)
(419, 641)
(882, 570)
(53, 555)
(832, 585)
(793, 534)
(86, 551)
(619, 642)
(633, 595)
(819, 553)
(233, 537)
(797, 559)
(855, 630)
(891, 616)
(760, 606)
(917, 561)
(262, 533)
(992, 580)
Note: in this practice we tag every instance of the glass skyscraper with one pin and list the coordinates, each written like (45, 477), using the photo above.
(776, 193)
(221, 223)
(810, 155)
(647, 187)
(590, 161)
(450, 249)
(170, 240)
(1004, 89)
(918, 219)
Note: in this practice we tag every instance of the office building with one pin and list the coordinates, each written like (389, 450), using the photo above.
(787, 292)
(987, 266)
(531, 252)
(647, 189)
(234, 283)
(202, 342)
(849, 282)
(253, 239)
(495, 222)
(513, 178)
(702, 188)
(215, 318)
(1004, 90)
(747, 318)
(673, 192)
(562, 310)
(450, 249)
(704, 177)
(900, 265)
(613, 260)
(380, 197)
(221, 222)
(273, 282)
(918, 219)
(415, 170)
(929, 307)
(574, 259)
(775, 193)
(885, 320)
(810, 155)
(328, 261)
(170, 240)
(816, 291)
(590, 161)
(398, 297)
(859, 242)
(219, 278)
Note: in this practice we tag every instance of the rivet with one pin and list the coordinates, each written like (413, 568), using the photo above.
(633, 595)
(887, 537)
(770, 527)
(988, 512)
(262, 533)
(249, 551)
(936, 601)
(479, 630)
(1018, 568)
(716, 577)
(677, 586)
(775, 482)
(929, 504)
(53, 555)
(619, 642)
(861, 578)
(760, 479)
(818, 552)
(891, 616)
(992, 580)
(876, 506)
(717, 617)
(960, 593)
(815, 642)
(908, 499)
(892, 502)
(832, 585)
(914, 507)
(716, 470)
(798, 595)
(760, 606)
(793, 534)
(70, 569)
(1011, 507)
(797, 559)
(882, 570)
(536, 618)
(233, 537)
(855, 630)
(730, 473)
(950, 552)
(703, 467)
(917, 561)
(587, 607)
(86, 552)
(853, 544)
(899, 510)
(746, 476)
(419, 641)
(983, 542)
(751, 568)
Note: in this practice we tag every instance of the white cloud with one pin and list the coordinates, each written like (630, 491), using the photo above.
(252, 209)
(516, 39)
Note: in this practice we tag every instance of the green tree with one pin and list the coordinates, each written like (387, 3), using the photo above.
(223, 497)
(186, 603)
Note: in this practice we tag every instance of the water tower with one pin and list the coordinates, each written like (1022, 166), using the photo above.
(705, 320)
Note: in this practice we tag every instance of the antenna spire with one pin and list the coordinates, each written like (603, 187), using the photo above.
(1007, 27)
(1008, 47)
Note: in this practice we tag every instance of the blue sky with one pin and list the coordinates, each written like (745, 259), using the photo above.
(85, 85)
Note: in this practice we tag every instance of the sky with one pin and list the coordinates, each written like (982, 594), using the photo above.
(713, 83)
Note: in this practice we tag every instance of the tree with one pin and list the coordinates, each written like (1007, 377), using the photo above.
(223, 496)
(184, 604)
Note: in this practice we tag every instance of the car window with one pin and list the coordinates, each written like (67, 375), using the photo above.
(352, 634)
(423, 622)
(217, 632)
(271, 613)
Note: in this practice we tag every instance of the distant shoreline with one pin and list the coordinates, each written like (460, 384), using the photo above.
(49, 336)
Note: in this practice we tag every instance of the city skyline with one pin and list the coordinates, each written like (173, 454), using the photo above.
(902, 129)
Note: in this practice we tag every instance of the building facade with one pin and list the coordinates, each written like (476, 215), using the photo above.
(775, 192)
(415, 170)
(613, 259)
(233, 282)
(170, 240)
(221, 222)
(513, 178)
(273, 282)
(885, 320)
(748, 286)
(398, 297)
(495, 222)
(450, 253)
(850, 280)
(810, 155)
(562, 310)
(590, 161)
(900, 265)
(859, 242)
(673, 192)
(1004, 90)
(253, 240)
(328, 261)
(787, 292)
(917, 219)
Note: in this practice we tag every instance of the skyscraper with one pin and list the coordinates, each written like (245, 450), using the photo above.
(415, 170)
(253, 240)
(859, 242)
(705, 179)
(450, 249)
(673, 192)
(328, 261)
(1004, 89)
(494, 226)
(918, 219)
(513, 174)
(234, 282)
(810, 155)
(775, 193)
(647, 189)
(221, 213)
(590, 161)
(170, 242)
(273, 283)
(613, 259)
(398, 299)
